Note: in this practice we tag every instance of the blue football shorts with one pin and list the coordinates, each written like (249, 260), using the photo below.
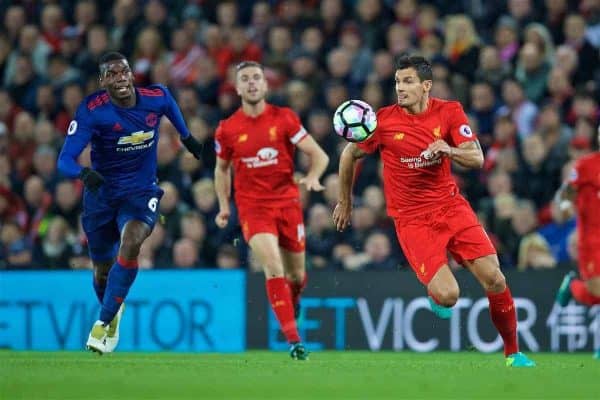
(103, 219)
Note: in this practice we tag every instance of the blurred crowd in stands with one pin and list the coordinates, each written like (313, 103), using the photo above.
(526, 71)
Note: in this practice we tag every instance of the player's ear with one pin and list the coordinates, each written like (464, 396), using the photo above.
(427, 84)
(101, 82)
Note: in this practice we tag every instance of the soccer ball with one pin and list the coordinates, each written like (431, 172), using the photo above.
(354, 120)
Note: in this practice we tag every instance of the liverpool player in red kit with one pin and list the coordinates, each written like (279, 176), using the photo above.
(259, 141)
(418, 138)
(583, 186)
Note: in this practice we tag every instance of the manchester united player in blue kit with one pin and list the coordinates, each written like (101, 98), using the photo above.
(120, 201)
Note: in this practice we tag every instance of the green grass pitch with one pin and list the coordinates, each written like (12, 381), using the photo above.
(272, 375)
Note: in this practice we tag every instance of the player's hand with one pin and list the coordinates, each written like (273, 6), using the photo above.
(341, 215)
(91, 179)
(311, 183)
(437, 149)
(222, 218)
(193, 146)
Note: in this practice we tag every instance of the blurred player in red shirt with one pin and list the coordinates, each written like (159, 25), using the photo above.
(583, 186)
(418, 138)
(259, 140)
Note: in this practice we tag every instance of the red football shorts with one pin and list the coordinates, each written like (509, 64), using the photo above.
(287, 223)
(426, 238)
(589, 261)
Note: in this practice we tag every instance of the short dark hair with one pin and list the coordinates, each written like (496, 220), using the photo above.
(420, 64)
(111, 56)
(246, 64)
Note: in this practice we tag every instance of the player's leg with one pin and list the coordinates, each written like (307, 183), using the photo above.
(266, 249)
(295, 274)
(423, 241)
(135, 219)
(443, 292)
(259, 227)
(503, 313)
(101, 269)
(290, 226)
(587, 289)
(471, 246)
(98, 221)
(120, 278)
(99, 224)
(124, 271)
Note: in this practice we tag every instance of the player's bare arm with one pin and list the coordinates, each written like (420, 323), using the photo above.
(318, 163)
(223, 190)
(343, 209)
(468, 154)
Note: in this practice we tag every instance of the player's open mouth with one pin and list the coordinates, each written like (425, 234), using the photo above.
(122, 89)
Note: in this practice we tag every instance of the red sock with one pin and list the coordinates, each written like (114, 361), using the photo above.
(582, 294)
(280, 298)
(297, 288)
(504, 317)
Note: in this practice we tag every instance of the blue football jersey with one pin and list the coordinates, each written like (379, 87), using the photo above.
(123, 140)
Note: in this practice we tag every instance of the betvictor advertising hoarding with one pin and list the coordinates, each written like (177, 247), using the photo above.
(389, 311)
(192, 311)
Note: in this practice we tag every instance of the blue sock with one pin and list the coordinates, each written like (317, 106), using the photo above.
(99, 289)
(120, 278)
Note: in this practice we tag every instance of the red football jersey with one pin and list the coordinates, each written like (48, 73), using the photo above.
(262, 152)
(585, 177)
(413, 184)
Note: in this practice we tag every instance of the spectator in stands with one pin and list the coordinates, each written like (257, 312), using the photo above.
(97, 43)
(24, 84)
(14, 20)
(540, 36)
(483, 108)
(534, 252)
(518, 107)
(574, 30)
(15, 248)
(149, 48)
(156, 250)
(320, 237)
(186, 254)
(462, 47)
(44, 166)
(22, 146)
(532, 71)
(491, 68)
(378, 248)
(228, 257)
(171, 210)
(67, 203)
(54, 251)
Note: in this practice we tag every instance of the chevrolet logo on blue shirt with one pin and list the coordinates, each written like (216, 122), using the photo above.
(136, 137)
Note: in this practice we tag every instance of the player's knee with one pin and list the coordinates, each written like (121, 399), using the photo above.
(295, 275)
(273, 269)
(495, 282)
(130, 246)
(447, 296)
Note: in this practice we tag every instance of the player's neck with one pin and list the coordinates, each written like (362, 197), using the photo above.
(419, 107)
(253, 110)
(125, 103)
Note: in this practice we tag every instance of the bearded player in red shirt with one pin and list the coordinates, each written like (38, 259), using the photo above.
(418, 138)
(259, 141)
(583, 186)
